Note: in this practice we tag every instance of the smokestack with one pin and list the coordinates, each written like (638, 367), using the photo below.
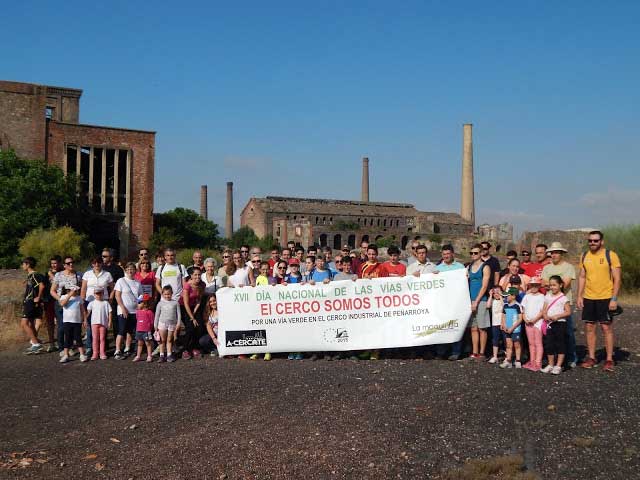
(467, 203)
(203, 202)
(365, 179)
(228, 225)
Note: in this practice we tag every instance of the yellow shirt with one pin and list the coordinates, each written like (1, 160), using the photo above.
(599, 284)
(262, 280)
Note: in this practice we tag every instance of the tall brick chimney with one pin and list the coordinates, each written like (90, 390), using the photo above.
(228, 224)
(365, 179)
(467, 202)
(203, 202)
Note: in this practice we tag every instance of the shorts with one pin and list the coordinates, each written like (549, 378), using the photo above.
(496, 334)
(482, 317)
(126, 324)
(596, 311)
(144, 336)
(514, 336)
(31, 310)
(172, 327)
(555, 341)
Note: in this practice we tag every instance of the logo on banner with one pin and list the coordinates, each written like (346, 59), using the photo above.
(426, 330)
(336, 335)
(246, 338)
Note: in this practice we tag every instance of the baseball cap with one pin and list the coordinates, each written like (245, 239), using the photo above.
(515, 280)
(144, 298)
(513, 291)
(535, 281)
(294, 261)
(98, 290)
(346, 247)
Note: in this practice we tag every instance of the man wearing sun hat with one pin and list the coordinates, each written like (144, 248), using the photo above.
(559, 266)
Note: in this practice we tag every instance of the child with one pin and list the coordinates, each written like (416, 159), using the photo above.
(209, 342)
(167, 321)
(555, 313)
(101, 320)
(72, 322)
(496, 304)
(294, 272)
(144, 327)
(511, 320)
(532, 304)
(320, 273)
(346, 274)
(309, 266)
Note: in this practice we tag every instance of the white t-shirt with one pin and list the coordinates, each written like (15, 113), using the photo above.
(496, 312)
(558, 305)
(172, 275)
(210, 287)
(129, 290)
(71, 312)
(99, 310)
(103, 279)
(240, 277)
(533, 305)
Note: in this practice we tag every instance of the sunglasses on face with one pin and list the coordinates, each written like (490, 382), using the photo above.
(282, 268)
(226, 256)
(475, 253)
(594, 241)
(68, 263)
(244, 251)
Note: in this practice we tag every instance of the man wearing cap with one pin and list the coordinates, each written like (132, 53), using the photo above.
(598, 286)
(567, 272)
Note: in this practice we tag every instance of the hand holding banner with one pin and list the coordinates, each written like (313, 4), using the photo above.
(344, 315)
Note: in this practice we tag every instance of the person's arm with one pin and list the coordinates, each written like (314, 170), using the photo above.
(616, 274)
(156, 319)
(496, 275)
(54, 290)
(516, 323)
(179, 316)
(83, 290)
(582, 279)
(187, 307)
(110, 317)
(503, 321)
(544, 311)
(124, 310)
(40, 291)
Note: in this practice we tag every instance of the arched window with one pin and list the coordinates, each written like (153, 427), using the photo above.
(337, 241)
(323, 240)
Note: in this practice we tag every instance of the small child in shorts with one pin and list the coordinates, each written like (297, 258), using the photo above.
(511, 320)
(144, 327)
(496, 304)
(167, 321)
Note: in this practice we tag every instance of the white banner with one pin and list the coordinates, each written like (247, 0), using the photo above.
(345, 315)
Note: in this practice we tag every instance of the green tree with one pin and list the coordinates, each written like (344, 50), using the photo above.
(42, 244)
(182, 227)
(625, 241)
(33, 195)
(243, 236)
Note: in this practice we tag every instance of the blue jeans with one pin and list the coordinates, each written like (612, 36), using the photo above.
(571, 340)
(57, 309)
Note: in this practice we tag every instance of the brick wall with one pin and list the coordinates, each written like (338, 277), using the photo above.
(22, 119)
(142, 145)
(254, 217)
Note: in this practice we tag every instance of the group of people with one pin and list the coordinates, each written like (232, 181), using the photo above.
(163, 308)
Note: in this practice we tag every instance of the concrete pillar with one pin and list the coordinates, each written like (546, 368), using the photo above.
(467, 202)
(228, 225)
(204, 202)
(365, 179)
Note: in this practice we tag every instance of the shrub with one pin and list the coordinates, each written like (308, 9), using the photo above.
(42, 244)
(625, 241)
(182, 227)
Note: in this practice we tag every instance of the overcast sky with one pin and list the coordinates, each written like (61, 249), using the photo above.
(284, 98)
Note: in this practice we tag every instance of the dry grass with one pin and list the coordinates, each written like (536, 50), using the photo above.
(11, 291)
(508, 467)
(629, 298)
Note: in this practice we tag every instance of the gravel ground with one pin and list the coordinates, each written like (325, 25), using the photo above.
(228, 419)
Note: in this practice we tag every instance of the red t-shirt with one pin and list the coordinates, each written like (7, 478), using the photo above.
(144, 321)
(374, 270)
(391, 270)
(534, 269)
(148, 282)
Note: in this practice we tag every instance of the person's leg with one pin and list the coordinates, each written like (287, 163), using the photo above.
(131, 331)
(495, 340)
(483, 341)
(57, 309)
(102, 330)
(163, 342)
(170, 338)
(529, 330)
(475, 340)
(120, 332)
(590, 332)
(509, 351)
(149, 345)
(68, 338)
(140, 346)
(607, 330)
(77, 337)
(95, 341)
(51, 323)
(206, 343)
(572, 357)
(539, 349)
(517, 346)
(28, 326)
(89, 339)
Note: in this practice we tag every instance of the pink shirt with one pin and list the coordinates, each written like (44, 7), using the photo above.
(148, 282)
(144, 320)
(194, 296)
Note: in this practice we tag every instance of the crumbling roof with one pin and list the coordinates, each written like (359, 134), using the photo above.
(317, 206)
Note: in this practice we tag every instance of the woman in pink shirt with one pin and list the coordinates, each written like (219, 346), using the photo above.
(190, 303)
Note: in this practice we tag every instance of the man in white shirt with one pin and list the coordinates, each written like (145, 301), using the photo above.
(422, 263)
(171, 273)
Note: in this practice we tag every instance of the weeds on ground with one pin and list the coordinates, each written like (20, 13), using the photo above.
(508, 467)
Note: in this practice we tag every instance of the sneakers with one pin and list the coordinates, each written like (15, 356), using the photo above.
(171, 358)
(291, 356)
(267, 357)
(547, 369)
(589, 363)
(83, 358)
(162, 359)
(196, 353)
(149, 358)
(34, 349)
(119, 356)
(528, 365)
(61, 353)
(493, 360)
(72, 352)
(608, 366)
(375, 355)
(453, 358)
(185, 355)
(103, 357)
(518, 364)
(557, 370)
(298, 356)
(51, 349)
(126, 352)
(573, 364)
(64, 359)
(253, 357)
(213, 354)
(136, 359)
(506, 364)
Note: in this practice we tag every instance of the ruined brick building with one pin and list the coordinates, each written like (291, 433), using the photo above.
(115, 166)
(339, 222)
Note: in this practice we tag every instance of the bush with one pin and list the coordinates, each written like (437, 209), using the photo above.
(625, 241)
(246, 236)
(43, 244)
(386, 242)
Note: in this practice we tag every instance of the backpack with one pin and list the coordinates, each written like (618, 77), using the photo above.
(181, 272)
(607, 255)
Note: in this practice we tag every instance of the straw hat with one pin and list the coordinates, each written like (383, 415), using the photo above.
(556, 247)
